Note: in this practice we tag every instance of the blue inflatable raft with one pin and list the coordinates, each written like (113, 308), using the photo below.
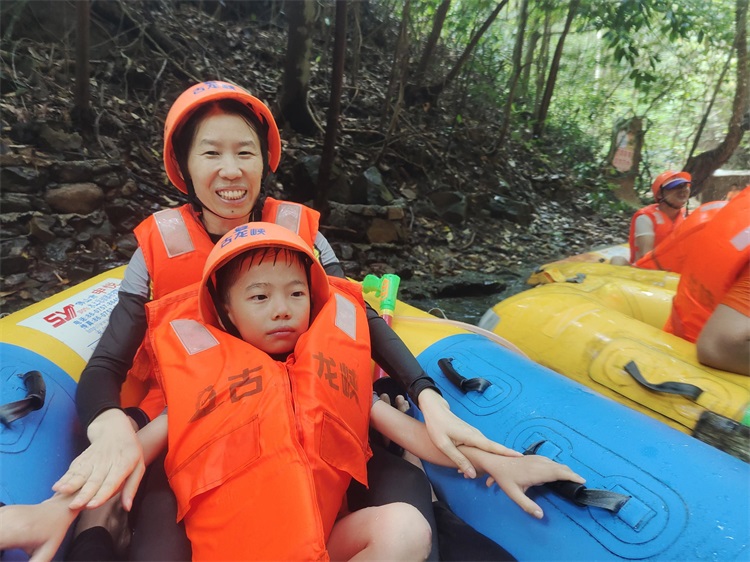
(685, 500)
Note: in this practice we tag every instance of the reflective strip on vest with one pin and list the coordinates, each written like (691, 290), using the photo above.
(741, 240)
(174, 233)
(712, 206)
(193, 335)
(658, 217)
(346, 316)
(289, 216)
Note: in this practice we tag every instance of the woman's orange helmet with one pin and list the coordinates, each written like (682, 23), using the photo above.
(669, 180)
(207, 92)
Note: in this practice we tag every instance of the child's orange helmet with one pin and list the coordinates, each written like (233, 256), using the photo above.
(248, 237)
(206, 92)
(669, 180)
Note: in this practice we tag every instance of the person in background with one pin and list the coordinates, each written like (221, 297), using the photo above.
(712, 303)
(670, 254)
(653, 223)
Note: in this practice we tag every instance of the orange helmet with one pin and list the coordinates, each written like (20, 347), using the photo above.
(669, 180)
(206, 92)
(248, 237)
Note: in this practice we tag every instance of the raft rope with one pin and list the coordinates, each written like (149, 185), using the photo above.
(34, 400)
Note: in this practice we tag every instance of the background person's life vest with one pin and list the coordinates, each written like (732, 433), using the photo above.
(663, 225)
(717, 256)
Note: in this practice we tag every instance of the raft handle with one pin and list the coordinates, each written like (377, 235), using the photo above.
(36, 392)
(669, 387)
(465, 385)
(579, 493)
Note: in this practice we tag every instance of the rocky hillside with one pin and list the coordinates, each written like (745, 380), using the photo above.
(441, 204)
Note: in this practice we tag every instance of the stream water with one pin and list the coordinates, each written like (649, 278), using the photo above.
(471, 309)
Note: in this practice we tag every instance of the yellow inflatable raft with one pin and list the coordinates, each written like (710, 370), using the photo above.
(606, 338)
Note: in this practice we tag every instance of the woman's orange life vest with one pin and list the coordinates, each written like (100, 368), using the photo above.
(718, 255)
(670, 254)
(261, 452)
(663, 225)
(175, 246)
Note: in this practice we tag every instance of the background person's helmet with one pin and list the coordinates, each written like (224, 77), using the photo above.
(669, 180)
(247, 237)
(206, 92)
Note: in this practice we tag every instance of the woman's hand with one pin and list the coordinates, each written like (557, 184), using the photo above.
(113, 458)
(447, 432)
(37, 529)
(516, 475)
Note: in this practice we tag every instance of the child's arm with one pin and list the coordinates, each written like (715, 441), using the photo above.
(37, 529)
(153, 438)
(514, 474)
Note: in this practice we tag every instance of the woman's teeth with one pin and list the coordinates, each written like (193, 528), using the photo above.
(231, 194)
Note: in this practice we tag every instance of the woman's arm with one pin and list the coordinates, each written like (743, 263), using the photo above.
(390, 352)
(114, 455)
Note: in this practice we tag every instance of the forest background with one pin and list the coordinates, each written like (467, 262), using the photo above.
(456, 142)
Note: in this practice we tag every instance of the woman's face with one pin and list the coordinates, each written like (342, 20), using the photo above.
(677, 196)
(226, 166)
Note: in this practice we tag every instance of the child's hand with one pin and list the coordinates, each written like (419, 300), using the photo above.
(515, 475)
(401, 404)
(37, 529)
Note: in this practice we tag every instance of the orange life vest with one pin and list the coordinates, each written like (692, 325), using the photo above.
(261, 452)
(718, 255)
(670, 254)
(663, 225)
(175, 246)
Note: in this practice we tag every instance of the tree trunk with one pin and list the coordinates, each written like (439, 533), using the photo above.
(429, 94)
(398, 76)
(542, 61)
(523, 93)
(296, 81)
(705, 164)
(334, 109)
(82, 115)
(541, 116)
(429, 49)
(517, 54)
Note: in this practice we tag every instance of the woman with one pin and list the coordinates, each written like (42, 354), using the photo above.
(220, 143)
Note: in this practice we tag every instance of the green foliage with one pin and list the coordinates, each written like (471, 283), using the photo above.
(658, 59)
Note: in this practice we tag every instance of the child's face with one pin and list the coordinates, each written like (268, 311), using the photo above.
(269, 303)
(226, 166)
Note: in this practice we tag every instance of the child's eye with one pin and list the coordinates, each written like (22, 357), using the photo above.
(258, 297)
(211, 153)
(299, 294)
